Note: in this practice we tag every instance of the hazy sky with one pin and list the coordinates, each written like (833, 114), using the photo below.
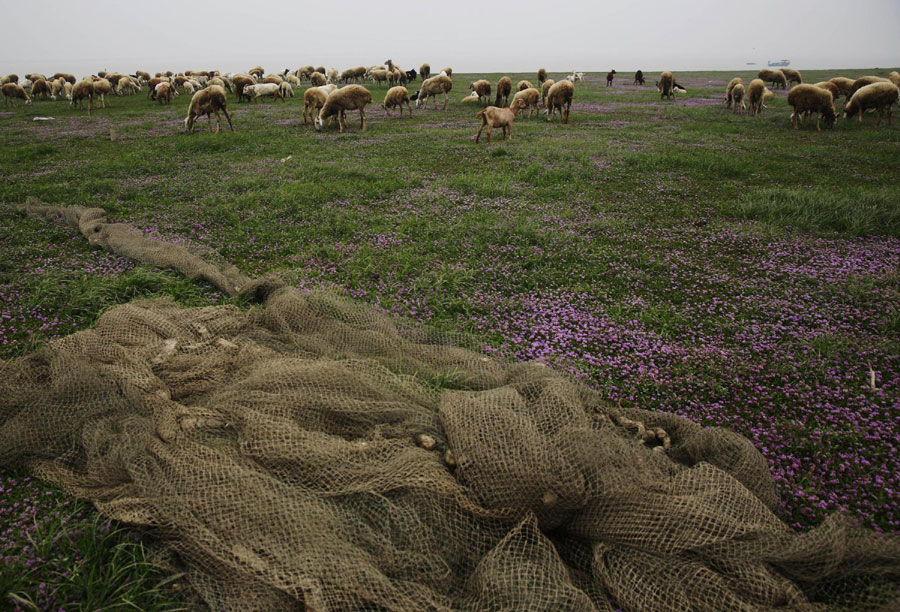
(469, 35)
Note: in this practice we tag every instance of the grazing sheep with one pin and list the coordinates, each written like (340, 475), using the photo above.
(286, 90)
(425, 71)
(894, 78)
(483, 89)
(350, 97)
(432, 87)
(379, 76)
(188, 87)
(396, 97)
(164, 92)
(807, 99)
(792, 76)
(34, 76)
(10, 78)
(56, 87)
(666, 85)
(151, 84)
(141, 76)
(843, 84)
(728, 91)
(241, 81)
(775, 77)
(499, 117)
(530, 97)
(638, 78)
(448, 71)
(737, 97)
(320, 69)
(757, 94)
(14, 91)
(609, 77)
(258, 72)
(523, 85)
(128, 86)
(317, 79)
(83, 89)
(504, 88)
(332, 76)
(206, 102)
(313, 101)
(273, 78)
(545, 88)
(263, 90)
(829, 86)
(292, 79)
(862, 82)
(304, 71)
(560, 97)
(67, 88)
(70, 78)
(114, 78)
(878, 96)
(102, 88)
(353, 74)
(223, 83)
(41, 88)
(541, 76)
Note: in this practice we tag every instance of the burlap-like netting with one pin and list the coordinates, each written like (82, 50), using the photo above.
(308, 454)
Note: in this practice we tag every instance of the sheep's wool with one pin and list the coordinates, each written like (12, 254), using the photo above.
(314, 453)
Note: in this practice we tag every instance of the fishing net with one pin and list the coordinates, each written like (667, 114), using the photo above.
(312, 453)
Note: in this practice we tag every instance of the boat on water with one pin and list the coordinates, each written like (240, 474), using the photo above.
(780, 64)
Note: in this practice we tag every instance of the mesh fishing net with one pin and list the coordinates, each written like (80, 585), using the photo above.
(312, 453)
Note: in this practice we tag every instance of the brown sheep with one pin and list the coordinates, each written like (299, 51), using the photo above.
(737, 98)
(728, 92)
(775, 77)
(757, 94)
(140, 75)
(14, 91)
(522, 85)
(41, 88)
(206, 102)
(545, 89)
(350, 97)
(317, 79)
(499, 117)
(541, 76)
(313, 101)
(862, 82)
(829, 86)
(880, 96)
(152, 83)
(666, 85)
(396, 97)
(240, 81)
(894, 78)
(807, 99)
(70, 78)
(10, 78)
(843, 84)
(258, 72)
(34, 76)
(273, 78)
(164, 93)
(432, 87)
(560, 97)
(638, 78)
(609, 77)
(102, 88)
(531, 97)
(425, 71)
(448, 71)
(483, 89)
(792, 76)
(81, 90)
(320, 69)
(352, 74)
(504, 88)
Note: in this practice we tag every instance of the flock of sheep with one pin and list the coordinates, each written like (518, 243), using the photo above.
(324, 101)
(867, 93)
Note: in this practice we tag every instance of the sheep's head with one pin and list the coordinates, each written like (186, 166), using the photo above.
(319, 123)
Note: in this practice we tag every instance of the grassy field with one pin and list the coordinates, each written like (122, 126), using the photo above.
(673, 255)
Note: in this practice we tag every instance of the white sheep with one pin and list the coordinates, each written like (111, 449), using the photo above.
(433, 87)
(264, 90)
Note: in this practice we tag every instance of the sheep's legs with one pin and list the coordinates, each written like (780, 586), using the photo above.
(447, 101)
(225, 110)
(878, 121)
(362, 119)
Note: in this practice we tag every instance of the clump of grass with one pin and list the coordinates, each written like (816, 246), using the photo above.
(846, 210)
